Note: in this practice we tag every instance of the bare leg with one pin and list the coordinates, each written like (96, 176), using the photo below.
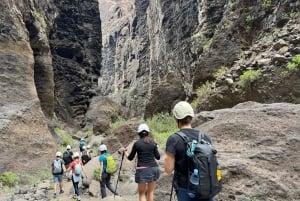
(142, 191)
(55, 187)
(150, 190)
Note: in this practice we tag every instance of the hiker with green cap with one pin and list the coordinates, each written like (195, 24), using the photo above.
(176, 154)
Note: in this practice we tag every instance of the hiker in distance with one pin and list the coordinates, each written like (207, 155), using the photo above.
(147, 171)
(81, 144)
(85, 155)
(77, 173)
(58, 169)
(68, 156)
(106, 168)
(176, 155)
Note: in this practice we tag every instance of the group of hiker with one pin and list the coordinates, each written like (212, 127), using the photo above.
(71, 164)
(189, 154)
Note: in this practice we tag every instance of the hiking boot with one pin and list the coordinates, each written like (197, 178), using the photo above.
(78, 197)
(54, 195)
(61, 191)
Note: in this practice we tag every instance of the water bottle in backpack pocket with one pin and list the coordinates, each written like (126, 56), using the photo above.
(202, 157)
(193, 184)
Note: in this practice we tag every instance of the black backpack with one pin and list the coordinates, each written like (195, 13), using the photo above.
(67, 157)
(202, 156)
(85, 157)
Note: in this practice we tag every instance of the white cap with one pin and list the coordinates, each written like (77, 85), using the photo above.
(183, 109)
(103, 147)
(82, 139)
(143, 127)
(58, 154)
(76, 154)
(68, 147)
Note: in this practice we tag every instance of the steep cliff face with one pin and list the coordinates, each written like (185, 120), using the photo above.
(253, 38)
(26, 142)
(50, 57)
(75, 42)
(144, 40)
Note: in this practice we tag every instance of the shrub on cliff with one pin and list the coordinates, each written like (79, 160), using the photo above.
(9, 179)
(64, 137)
(248, 76)
(295, 63)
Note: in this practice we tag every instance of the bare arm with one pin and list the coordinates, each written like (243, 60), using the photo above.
(100, 169)
(84, 171)
(169, 162)
(64, 168)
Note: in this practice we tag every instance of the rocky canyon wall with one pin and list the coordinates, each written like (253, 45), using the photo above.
(50, 58)
(143, 42)
(26, 142)
(75, 42)
(151, 45)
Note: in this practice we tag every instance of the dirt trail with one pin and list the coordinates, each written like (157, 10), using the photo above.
(127, 188)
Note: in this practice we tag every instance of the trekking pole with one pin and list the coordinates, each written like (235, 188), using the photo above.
(119, 173)
(172, 188)
(171, 192)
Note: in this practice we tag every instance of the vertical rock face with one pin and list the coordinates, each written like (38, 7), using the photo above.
(25, 141)
(143, 41)
(38, 22)
(76, 49)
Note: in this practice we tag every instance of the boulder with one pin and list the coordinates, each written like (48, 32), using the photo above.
(165, 96)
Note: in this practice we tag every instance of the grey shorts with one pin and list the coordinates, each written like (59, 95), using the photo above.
(57, 178)
(146, 175)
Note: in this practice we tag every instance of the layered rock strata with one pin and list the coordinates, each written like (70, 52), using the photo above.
(75, 42)
(26, 142)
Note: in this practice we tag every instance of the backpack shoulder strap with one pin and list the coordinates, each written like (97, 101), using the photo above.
(183, 136)
(201, 138)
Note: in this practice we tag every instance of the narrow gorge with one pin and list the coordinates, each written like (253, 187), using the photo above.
(81, 65)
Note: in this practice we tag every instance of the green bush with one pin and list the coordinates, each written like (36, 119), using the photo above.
(208, 44)
(64, 137)
(162, 126)
(202, 92)
(220, 71)
(249, 76)
(295, 63)
(40, 18)
(9, 179)
(266, 3)
(97, 174)
(249, 22)
(252, 199)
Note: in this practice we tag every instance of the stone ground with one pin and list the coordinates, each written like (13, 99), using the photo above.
(258, 146)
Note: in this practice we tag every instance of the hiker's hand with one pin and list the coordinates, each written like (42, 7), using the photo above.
(122, 150)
